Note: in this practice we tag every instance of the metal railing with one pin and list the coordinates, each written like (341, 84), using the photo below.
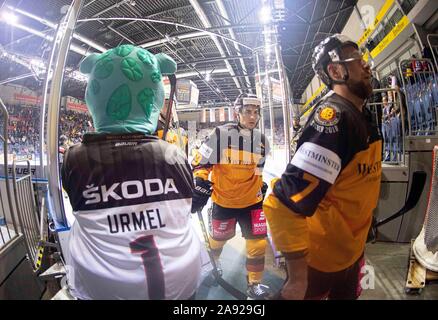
(432, 41)
(27, 212)
(420, 87)
(61, 46)
(394, 124)
(8, 232)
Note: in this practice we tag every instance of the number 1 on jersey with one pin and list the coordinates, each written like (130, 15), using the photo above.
(152, 265)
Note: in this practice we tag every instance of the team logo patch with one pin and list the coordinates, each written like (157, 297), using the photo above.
(327, 116)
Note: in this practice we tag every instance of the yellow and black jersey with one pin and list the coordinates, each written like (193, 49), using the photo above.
(235, 157)
(324, 201)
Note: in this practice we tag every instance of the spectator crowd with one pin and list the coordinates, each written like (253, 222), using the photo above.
(24, 128)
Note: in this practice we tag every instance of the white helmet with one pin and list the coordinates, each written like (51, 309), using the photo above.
(245, 99)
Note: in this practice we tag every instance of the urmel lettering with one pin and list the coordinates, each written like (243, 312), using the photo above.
(143, 220)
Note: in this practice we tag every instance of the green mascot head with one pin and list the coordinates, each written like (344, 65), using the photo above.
(125, 91)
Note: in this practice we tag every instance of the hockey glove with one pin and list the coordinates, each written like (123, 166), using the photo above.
(201, 193)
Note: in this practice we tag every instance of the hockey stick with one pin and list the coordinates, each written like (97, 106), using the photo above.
(239, 295)
(172, 81)
(417, 186)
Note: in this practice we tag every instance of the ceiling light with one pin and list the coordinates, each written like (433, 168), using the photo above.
(208, 77)
(265, 14)
(9, 17)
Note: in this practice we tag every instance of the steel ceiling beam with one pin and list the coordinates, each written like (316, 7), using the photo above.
(74, 47)
(323, 18)
(202, 16)
(237, 76)
(227, 20)
(203, 73)
(216, 90)
(180, 75)
(116, 5)
(53, 26)
(307, 33)
(217, 59)
(205, 31)
(213, 29)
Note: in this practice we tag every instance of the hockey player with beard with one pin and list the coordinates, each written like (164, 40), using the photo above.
(234, 154)
(131, 192)
(321, 209)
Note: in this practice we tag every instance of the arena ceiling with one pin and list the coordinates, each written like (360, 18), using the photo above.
(197, 53)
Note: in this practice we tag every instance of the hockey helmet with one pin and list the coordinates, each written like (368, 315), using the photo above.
(329, 51)
(245, 99)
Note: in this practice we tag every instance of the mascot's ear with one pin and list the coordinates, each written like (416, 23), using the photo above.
(167, 64)
(88, 63)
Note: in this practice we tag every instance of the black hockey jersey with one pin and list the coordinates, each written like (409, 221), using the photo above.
(324, 201)
(132, 238)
